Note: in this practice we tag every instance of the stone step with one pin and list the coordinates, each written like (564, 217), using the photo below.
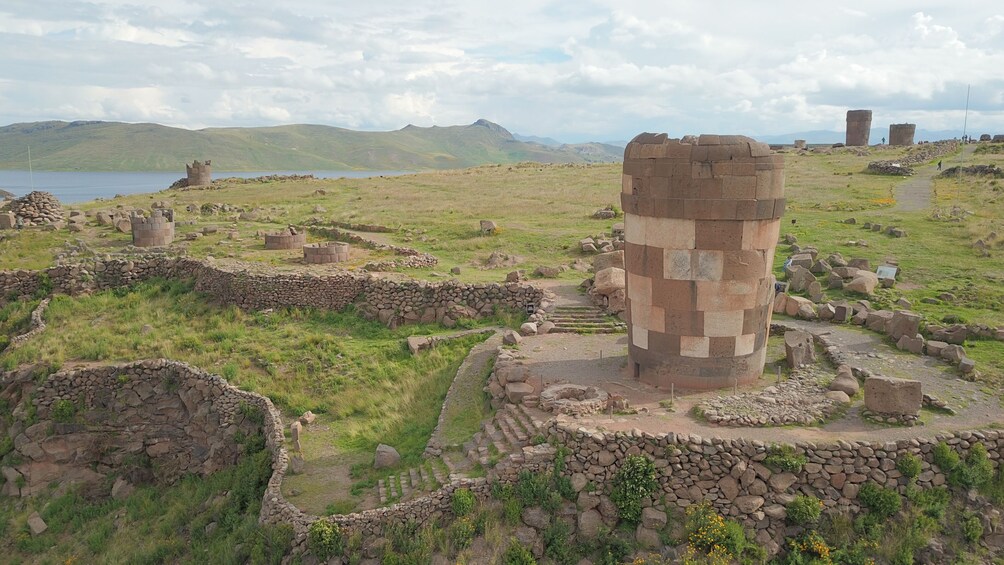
(517, 429)
(524, 419)
(392, 489)
(536, 423)
(512, 440)
(414, 480)
(382, 491)
(403, 485)
(583, 320)
(580, 330)
(424, 474)
(451, 467)
(596, 324)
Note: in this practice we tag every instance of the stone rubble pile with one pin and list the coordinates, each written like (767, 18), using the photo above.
(800, 399)
(37, 208)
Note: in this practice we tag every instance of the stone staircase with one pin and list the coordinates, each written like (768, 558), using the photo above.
(425, 478)
(584, 320)
(513, 427)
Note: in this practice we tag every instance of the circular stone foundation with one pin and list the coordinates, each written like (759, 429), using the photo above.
(572, 399)
(327, 252)
(285, 240)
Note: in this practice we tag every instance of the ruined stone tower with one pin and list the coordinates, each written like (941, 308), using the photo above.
(155, 231)
(859, 127)
(701, 224)
(199, 174)
(901, 134)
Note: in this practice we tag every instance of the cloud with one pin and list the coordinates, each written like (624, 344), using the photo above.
(596, 69)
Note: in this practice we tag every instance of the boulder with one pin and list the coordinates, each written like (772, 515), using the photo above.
(536, 517)
(511, 337)
(36, 524)
(545, 328)
(488, 227)
(748, 504)
(647, 538)
(795, 303)
(878, 321)
(914, 344)
(307, 418)
(935, 347)
(838, 396)
(122, 489)
(887, 395)
(653, 518)
(528, 328)
(516, 391)
(864, 282)
(815, 291)
(798, 348)
(607, 260)
(803, 260)
(904, 323)
(386, 456)
(953, 353)
(609, 280)
(845, 381)
(590, 524)
(858, 263)
(800, 278)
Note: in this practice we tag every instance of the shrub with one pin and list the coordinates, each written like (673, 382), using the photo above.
(64, 410)
(325, 540)
(633, 482)
(909, 464)
(711, 534)
(784, 458)
(556, 543)
(462, 532)
(946, 458)
(463, 502)
(809, 547)
(881, 501)
(977, 470)
(517, 554)
(6, 446)
(972, 528)
(531, 489)
(804, 510)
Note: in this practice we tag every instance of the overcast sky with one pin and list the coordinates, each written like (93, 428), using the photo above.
(573, 70)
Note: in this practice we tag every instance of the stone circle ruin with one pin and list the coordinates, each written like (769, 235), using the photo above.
(154, 231)
(289, 238)
(701, 223)
(326, 252)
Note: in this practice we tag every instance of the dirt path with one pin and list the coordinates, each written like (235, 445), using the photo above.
(914, 194)
(601, 360)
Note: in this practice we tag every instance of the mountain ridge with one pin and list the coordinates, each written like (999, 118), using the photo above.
(116, 146)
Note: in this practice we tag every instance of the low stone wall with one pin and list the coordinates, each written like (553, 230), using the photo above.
(328, 252)
(36, 326)
(732, 476)
(151, 420)
(393, 302)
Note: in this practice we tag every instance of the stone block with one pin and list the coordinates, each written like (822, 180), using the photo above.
(878, 321)
(864, 282)
(914, 344)
(607, 260)
(904, 323)
(887, 395)
(386, 456)
(516, 391)
(798, 348)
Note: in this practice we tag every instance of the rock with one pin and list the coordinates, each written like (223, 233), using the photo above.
(953, 353)
(536, 517)
(954, 334)
(606, 260)
(516, 391)
(864, 282)
(800, 278)
(386, 457)
(455, 271)
(798, 348)
(122, 489)
(514, 276)
(510, 337)
(488, 227)
(297, 465)
(748, 504)
(729, 487)
(845, 381)
(647, 537)
(653, 518)
(935, 348)
(579, 482)
(887, 395)
(528, 328)
(838, 396)
(547, 272)
(904, 323)
(590, 523)
(967, 365)
(545, 328)
(307, 418)
(779, 482)
(815, 291)
(878, 321)
(914, 344)
(609, 280)
(794, 304)
(36, 524)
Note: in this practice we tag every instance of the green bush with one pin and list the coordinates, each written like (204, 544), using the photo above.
(6, 446)
(325, 540)
(64, 410)
(784, 458)
(518, 554)
(909, 464)
(557, 543)
(531, 488)
(946, 458)
(463, 502)
(707, 530)
(972, 528)
(977, 470)
(804, 510)
(462, 532)
(633, 482)
(880, 501)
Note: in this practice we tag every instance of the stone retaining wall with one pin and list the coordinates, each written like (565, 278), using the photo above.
(150, 420)
(393, 302)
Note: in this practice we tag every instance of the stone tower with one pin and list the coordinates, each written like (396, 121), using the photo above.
(155, 231)
(901, 134)
(859, 127)
(701, 224)
(199, 174)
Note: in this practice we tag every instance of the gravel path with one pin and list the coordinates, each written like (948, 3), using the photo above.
(914, 194)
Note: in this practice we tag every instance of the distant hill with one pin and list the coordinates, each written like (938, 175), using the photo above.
(114, 146)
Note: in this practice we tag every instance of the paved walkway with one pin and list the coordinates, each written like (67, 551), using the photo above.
(601, 360)
(914, 194)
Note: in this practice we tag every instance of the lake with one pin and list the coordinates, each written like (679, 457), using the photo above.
(70, 187)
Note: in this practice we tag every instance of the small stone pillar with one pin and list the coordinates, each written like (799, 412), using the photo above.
(199, 174)
(701, 225)
(859, 127)
(289, 238)
(327, 252)
(155, 231)
(901, 134)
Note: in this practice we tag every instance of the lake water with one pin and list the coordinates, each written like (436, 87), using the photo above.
(70, 187)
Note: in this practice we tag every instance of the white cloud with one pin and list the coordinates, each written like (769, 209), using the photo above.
(600, 69)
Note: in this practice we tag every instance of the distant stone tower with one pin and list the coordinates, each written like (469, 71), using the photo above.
(859, 127)
(701, 224)
(901, 134)
(199, 174)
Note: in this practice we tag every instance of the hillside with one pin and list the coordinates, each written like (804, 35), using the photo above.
(113, 146)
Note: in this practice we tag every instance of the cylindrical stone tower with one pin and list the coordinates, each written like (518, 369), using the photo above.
(199, 174)
(155, 231)
(859, 127)
(901, 134)
(701, 224)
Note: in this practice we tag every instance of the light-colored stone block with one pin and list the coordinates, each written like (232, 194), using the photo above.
(676, 265)
(723, 324)
(744, 344)
(710, 265)
(639, 336)
(694, 346)
(670, 233)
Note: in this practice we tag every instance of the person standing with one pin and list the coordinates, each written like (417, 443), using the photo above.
(939, 165)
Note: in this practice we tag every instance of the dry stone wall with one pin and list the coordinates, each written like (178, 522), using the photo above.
(150, 420)
(393, 302)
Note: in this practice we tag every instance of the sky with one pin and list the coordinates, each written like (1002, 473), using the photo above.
(571, 70)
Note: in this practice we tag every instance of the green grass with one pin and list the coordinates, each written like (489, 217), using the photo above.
(154, 524)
